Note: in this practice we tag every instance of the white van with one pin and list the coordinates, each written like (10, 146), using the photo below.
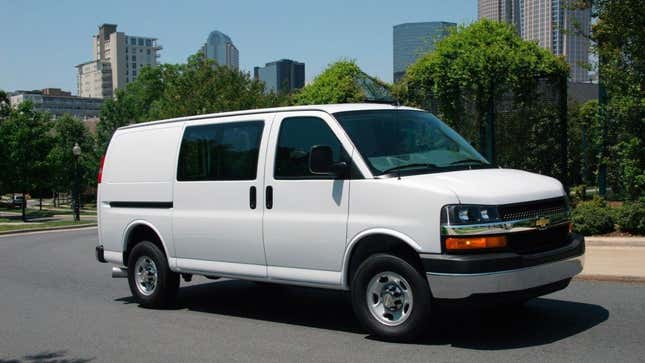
(387, 202)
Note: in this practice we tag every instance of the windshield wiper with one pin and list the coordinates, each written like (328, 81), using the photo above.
(468, 161)
(415, 165)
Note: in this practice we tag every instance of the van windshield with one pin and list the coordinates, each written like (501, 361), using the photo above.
(408, 141)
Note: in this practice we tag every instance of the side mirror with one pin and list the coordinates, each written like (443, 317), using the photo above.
(321, 161)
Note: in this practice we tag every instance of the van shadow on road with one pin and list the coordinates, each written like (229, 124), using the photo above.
(541, 321)
(48, 357)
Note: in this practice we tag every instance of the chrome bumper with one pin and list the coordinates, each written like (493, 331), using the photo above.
(459, 286)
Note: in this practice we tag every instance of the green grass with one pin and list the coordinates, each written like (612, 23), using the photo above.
(32, 225)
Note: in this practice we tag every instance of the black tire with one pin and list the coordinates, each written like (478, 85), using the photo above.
(421, 297)
(167, 284)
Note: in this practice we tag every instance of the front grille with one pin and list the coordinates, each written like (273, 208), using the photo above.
(538, 240)
(535, 209)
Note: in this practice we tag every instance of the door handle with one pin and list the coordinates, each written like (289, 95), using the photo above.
(269, 197)
(252, 197)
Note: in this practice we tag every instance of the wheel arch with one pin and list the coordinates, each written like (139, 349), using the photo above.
(141, 230)
(377, 240)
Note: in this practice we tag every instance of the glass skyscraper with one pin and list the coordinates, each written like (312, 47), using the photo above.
(284, 75)
(220, 48)
(412, 40)
(550, 23)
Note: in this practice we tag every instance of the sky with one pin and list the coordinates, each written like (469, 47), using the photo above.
(42, 41)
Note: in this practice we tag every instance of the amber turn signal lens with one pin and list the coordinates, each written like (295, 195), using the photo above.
(471, 243)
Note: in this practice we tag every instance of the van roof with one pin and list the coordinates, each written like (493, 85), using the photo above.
(333, 108)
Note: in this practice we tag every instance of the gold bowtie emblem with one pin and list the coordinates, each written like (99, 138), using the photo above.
(542, 222)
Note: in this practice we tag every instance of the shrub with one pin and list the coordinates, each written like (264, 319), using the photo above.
(631, 217)
(592, 217)
(578, 193)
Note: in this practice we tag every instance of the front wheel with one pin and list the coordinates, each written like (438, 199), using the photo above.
(151, 281)
(390, 297)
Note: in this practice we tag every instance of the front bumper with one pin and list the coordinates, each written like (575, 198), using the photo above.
(461, 276)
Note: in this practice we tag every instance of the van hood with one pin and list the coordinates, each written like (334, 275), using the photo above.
(493, 186)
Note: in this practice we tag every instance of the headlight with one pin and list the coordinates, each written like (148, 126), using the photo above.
(469, 214)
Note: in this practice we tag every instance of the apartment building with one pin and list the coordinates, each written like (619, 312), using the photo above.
(117, 60)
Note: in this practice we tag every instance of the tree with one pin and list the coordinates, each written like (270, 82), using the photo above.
(173, 90)
(584, 142)
(68, 131)
(27, 142)
(342, 82)
(5, 106)
(502, 92)
(115, 113)
(620, 45)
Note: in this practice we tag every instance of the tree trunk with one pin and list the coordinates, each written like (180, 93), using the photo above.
(24, 207)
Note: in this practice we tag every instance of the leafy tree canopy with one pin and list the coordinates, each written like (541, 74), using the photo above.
(68, 131)
(199, 86)
(26, 142)
(484, 80)
(618, 36)
(475, 63)
(342, 82)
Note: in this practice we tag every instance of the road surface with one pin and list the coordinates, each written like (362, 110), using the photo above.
(57, 304)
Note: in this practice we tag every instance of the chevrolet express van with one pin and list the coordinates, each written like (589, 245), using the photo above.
(387, 202)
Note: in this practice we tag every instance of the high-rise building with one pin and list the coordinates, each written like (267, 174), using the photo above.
(412, 40)
(501, 10)
(221, 49)
(117, 60)
(284, 75)
(551, 23)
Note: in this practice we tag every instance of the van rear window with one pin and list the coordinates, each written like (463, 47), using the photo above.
(226, 151)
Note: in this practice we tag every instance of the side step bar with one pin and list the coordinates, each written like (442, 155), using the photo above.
(119, 272)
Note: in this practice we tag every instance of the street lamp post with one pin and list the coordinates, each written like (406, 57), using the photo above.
(76, 151)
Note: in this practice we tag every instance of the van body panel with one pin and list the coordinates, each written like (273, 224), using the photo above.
(213, 220)
(493, 186)
(139, 168)
(403, 205)
(307, 224)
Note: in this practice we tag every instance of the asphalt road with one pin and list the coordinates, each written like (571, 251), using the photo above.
(57, 304)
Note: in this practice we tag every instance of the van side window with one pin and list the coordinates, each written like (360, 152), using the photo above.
(220, 152)
(297, 136)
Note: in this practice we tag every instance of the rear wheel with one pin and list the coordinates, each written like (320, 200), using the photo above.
(390, 297)
(151, 281)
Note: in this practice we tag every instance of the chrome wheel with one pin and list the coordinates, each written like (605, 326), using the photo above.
(145, 275)
(389, 298)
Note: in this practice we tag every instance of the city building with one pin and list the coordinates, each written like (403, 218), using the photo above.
(412, 40)
(501, 10)
(58, 102)
(117, 60)
(220, 48)
(550, 23)
(284, 75)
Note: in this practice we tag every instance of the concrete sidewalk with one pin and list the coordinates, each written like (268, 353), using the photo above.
(614, 259)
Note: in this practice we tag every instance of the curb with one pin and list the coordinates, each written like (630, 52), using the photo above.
(47, 229)
(615, 241)
(611, 278)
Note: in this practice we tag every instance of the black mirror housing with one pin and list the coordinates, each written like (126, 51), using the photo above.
(321, 159)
